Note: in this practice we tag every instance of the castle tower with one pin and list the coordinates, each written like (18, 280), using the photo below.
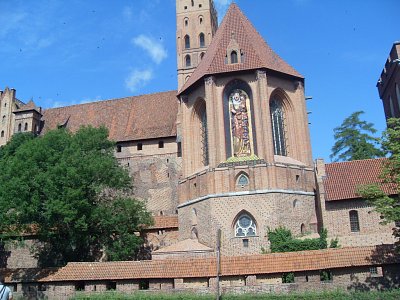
(8, 103)
(27, 118)
(196, 25)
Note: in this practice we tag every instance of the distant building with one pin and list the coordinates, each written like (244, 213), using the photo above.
(389, 83)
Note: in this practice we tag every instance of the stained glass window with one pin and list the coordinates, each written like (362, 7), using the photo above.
(354, 222)
(243, 180)
(245, 226)
(278, 127)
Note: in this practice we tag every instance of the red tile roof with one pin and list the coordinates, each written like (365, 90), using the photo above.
(238, 265)
(29, 106)
(257, 54)
(343, 178)
(131, 118)
(161, 222)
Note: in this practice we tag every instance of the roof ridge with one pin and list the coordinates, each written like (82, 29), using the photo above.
(356, 160)
(112, 99)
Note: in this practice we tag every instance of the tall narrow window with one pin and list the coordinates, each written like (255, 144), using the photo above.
(188, 61)
(202, 40)
(204, 138)
(354, 222)
(234, 57)
(245, 226)
(187, 42)
(19, 127)
(201, 55)
(2, 133)
(391, 107)
(26, 127)
(278, 127)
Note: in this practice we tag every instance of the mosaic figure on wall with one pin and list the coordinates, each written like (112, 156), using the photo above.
(240, 123)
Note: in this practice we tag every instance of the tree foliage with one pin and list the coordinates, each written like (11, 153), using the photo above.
(387, 206)
(354, 140)
(281, 240)
(70, 192)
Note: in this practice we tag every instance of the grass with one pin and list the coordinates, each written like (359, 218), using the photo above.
(386, 295)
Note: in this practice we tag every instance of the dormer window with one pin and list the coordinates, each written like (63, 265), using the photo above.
(234, 57)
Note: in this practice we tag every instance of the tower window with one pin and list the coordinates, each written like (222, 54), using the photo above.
(234, 57)
(200, 5)
(202, 40)
(187, 42)
(19, 127)
(2, 133)
(3, 119)
(119, 148)
(243, 180)
(354, 222)
(186, 22)
(201, 20)
(192, 2)
(201, 55)
(185, 7)
(139, 147)
(161, 144)
(26, 127)
(188, 62)
(278, 127)
(179, 150)
(245, 226)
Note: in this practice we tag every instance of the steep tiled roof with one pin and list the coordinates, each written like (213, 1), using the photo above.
(131, 118)
(161, 222)
(29, 106)
(257, 54)
(343, 178)
(238, 265)
(187, 245)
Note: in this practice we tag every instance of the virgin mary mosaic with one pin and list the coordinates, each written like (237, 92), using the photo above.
(240, 117)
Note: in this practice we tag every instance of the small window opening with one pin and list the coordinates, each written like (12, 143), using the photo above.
(144, 284)
(5, 104)
(297, 178)
(161, 213)
(80, 286)
(19, 127)
(303, 229)
(3, 119)
(246, 243)
(2, 133)
(192, 2)
(111, 286)
(188, 62)
(373, 270)
(201, 55)
(234, 57)
(306, 278)
(139, 146)
(179, 150)
(167, 160)
(202, 40)
(201, 20)
(200, 5)
(26, 127)
(186, 22)
(187, 42)
(161, 144)
(119, 148)
(185, 7)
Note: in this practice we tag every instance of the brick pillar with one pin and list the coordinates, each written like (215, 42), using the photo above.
(263, 119)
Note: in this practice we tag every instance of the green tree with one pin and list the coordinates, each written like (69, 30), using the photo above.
(71, 193)
(354, 140)
(387, 206)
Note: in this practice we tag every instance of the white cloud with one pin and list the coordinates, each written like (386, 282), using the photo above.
(153, 47)
(138, 78)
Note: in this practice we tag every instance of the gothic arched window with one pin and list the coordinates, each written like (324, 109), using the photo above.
(245, 226)
(278, 127)
(242, 180)
(204, 138)
(2, 133)
(26, 127)
(19, 127)
(188, 62)
(202, 41)
(234, 57)
(187, 42)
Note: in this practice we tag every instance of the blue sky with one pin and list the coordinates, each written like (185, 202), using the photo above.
(66, 52)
